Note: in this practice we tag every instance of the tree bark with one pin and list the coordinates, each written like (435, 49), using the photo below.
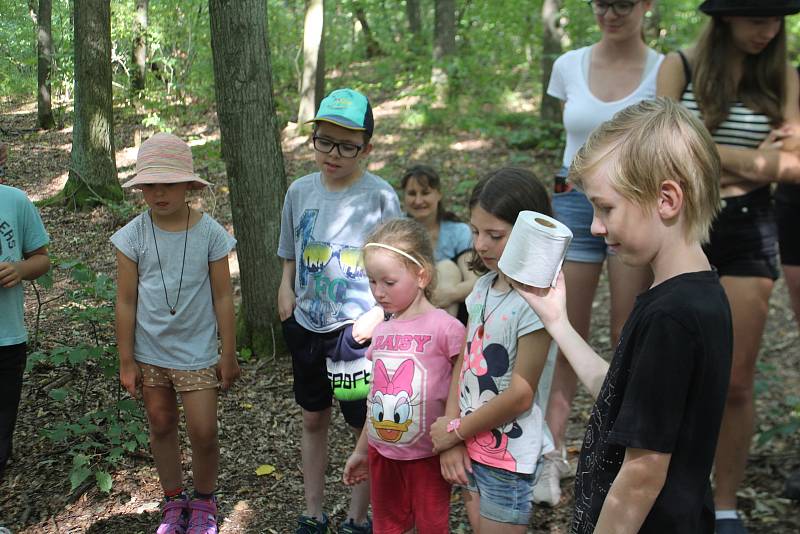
(313, 84)
(139, 56)
(551, 48)
(253, 159)
(444, 45)
(93, 170)
(414, 18)
(373, 48)
(44, 46)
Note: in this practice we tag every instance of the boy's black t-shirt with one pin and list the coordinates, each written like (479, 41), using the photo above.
(665, 391)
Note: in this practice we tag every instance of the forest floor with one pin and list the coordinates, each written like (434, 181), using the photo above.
(259, 421)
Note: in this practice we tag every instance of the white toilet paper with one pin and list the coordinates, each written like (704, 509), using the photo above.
(535, 249)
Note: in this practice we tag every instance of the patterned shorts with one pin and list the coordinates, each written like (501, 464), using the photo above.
(180, 381)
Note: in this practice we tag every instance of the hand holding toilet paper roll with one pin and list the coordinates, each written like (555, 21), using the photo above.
(535, 250)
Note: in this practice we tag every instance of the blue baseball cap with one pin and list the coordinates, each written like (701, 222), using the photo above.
(346, 108)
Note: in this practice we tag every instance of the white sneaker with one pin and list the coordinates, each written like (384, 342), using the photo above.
(548, 488)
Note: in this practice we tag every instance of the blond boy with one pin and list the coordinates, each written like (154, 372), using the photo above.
(652, 175)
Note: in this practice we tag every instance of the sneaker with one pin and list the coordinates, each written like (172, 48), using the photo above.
(173, 517)
(730, 526)
(310, 525)
(548, 488)
(202, 516)
(350, 527)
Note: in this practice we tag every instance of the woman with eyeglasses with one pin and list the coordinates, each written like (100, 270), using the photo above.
(451, 238)
(737, 78)
(593, 83)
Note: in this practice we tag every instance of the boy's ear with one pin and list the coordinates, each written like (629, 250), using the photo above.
(366, 150)
(670, 199)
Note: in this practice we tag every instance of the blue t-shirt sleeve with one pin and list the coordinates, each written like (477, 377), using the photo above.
(463, 239)
(220, 242)
(128, 239)
(34, 235)
(390, 205)
(286, 240)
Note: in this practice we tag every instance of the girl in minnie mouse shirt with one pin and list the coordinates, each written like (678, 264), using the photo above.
(493, 434)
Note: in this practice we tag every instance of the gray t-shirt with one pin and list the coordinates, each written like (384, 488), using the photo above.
(323, 231)
(188, 339)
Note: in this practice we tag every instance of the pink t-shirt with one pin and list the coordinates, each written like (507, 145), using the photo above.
(412, 364)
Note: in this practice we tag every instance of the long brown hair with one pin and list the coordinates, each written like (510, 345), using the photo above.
(763, 84)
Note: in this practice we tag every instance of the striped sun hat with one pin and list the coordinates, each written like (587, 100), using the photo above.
(165, 159)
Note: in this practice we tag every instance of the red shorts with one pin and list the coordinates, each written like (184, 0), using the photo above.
(408, 493)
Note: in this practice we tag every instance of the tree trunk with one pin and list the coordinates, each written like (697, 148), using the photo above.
(44, 40)
(444, 45)
(313, 84)
(253, 159)
(139, 55)
(93, 168)
(414, 19)
(373, 48)
(551, 48)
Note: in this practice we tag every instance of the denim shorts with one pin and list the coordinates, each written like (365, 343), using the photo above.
(744, 236)
(505, 497)
(574, 210)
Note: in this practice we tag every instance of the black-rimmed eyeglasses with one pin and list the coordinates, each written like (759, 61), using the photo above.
(620, 9)
(345, 150)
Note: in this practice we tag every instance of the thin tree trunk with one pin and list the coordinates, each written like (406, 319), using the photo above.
(93, 170)
(444, 46)
(551, 48)
(44, 40)
(253, 159)
(414, 19)
(313, 84)
(373, 48)
(139, 56)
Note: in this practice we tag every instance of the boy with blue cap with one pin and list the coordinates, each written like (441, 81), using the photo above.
(326, 308)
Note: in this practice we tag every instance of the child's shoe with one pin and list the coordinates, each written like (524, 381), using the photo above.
(548, 488)
(173, 516)
(202, 516)
(350, 527)
(730, 526)
(310, 525)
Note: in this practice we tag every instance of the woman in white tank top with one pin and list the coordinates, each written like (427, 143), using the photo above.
(593, 84)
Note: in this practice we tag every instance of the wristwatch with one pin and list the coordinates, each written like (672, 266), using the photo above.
(453, 426)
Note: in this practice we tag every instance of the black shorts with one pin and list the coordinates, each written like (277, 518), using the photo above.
(312, 388)
(744, 237)
(787, 212)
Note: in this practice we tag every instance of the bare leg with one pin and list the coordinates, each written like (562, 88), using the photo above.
(749, 300)
(447, 275)
(791, 273)
(162, 415)
(625, 283)
(581, 280)
(472, 503)
(200, 408)
(314, 453)
(359, 495)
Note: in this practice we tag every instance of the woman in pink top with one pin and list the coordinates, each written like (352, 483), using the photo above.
(413, 355)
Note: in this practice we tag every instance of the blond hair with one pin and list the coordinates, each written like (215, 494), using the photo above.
(413, 239)
(651, 142)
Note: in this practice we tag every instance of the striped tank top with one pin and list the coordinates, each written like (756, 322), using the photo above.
(743, 127)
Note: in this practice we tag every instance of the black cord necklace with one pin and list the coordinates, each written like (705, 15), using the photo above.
(183, 261)
(484, 317)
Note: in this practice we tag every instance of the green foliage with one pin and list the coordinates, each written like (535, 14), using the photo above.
(788, 408)
(96, 438)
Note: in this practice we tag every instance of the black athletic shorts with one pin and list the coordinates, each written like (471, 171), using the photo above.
(744, 237)
(312, 388)
(787, 211)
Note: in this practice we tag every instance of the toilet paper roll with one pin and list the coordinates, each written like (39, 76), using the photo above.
(535, 249)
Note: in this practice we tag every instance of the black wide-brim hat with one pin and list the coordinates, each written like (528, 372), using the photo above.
(750, 8)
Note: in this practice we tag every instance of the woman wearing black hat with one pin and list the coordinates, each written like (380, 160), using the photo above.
(738, 79)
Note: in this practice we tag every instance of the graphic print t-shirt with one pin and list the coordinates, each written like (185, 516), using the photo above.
(665, 391)
(412, 365)
(21, 232)
(488, 365)
(323, 231)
